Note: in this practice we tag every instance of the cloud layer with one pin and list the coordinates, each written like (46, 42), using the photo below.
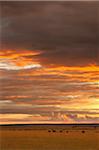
(49, 62)
(66, 32)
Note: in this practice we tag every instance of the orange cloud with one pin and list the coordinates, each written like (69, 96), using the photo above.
(11, 54)
(15, 59)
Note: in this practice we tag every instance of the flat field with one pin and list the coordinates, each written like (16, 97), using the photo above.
(49, 137)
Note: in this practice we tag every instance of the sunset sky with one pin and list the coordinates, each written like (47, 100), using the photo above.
(49, 62)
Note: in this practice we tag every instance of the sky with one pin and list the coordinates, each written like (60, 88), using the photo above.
(49, 62)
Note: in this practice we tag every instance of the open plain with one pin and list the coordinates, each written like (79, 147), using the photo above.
(49, 137)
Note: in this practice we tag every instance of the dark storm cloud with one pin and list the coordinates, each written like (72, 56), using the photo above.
(67, 32)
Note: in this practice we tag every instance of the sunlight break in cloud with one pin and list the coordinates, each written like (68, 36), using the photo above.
(16, 60)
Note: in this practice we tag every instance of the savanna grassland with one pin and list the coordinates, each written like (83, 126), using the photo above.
(49, 137)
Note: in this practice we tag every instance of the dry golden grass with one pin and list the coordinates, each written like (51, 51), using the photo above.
(48, 139)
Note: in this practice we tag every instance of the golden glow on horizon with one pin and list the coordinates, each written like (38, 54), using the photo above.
(26, 118)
